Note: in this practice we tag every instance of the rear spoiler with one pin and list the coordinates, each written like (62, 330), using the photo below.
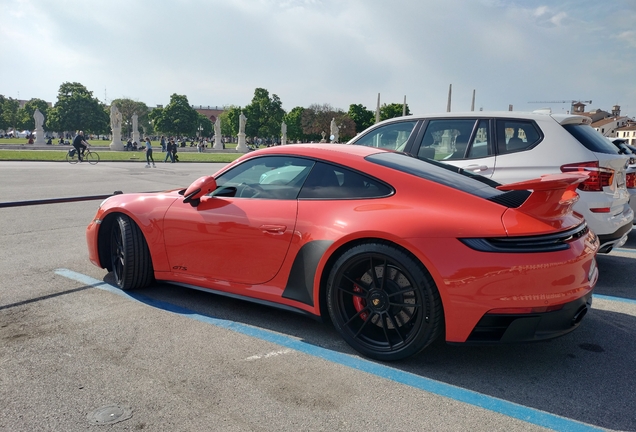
(552, 198)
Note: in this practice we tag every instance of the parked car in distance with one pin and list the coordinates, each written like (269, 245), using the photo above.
(513, 146)
(630, 174)
(375, 240)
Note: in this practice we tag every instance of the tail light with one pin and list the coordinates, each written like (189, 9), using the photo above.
(598, 177)
(630, 180)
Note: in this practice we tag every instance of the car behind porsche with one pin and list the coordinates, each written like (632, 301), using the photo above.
(396, 251)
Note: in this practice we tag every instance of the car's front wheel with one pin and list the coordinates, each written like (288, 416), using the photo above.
(383, 302)
(130, 257)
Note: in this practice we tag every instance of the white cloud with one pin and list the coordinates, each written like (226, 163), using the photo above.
(322, 51)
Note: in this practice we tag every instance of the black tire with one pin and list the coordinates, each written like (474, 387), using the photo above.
(129, 254)
(384, 318)
(92, 158)
(71, 159)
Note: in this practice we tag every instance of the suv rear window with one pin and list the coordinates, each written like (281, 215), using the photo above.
(591, 138)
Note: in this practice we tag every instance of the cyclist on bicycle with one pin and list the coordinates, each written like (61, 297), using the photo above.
(80, 145)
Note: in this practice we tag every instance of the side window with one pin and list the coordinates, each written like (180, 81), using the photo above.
(269, 177)
(516, 135)
(456, 139)
(392, 136)
(326, 181)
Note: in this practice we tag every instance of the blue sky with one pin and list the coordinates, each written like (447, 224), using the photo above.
(216, 52)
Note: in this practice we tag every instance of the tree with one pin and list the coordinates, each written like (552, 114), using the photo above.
(317, 119)
(77, 109)
(25, 114)
(177, 118)
(127, 108)
(230, 120)
(264, 115)
(293, 120)
(361, 116)
(388, 111)
(9, 115)
(206, 125)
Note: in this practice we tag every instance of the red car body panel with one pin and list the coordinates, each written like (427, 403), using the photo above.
(250, 247)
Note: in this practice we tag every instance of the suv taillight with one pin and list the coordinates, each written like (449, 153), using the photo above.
(630, 180)
(598, 177)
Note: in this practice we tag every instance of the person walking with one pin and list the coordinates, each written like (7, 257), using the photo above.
(169, 151)
(163, 143)
(149, 154)
(175, 158)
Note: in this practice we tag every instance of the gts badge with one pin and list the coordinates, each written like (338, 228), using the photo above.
(182, 268)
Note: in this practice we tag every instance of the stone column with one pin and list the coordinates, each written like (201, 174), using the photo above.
(115, 125)
(135, 129)
(39, 129)
(242, 145)
(218, 144)
(283, 132)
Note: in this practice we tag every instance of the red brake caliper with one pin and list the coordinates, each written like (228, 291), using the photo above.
(359, 303)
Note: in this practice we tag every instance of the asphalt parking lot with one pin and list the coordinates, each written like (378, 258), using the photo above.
(78, 354)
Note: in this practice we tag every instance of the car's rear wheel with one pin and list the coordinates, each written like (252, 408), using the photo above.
(130, 257)
(383, 302)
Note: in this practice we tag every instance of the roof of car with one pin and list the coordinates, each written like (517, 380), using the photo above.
(536, 115)
(321, 150)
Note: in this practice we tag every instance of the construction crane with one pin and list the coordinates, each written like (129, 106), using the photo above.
(571, 102)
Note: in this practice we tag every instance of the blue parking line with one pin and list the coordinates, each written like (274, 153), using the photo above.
(510, 409)
(612, 298)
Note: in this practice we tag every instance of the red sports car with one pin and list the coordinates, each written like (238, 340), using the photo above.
(397, 251)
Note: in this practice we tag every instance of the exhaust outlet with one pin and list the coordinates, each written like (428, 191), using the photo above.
(578, 316)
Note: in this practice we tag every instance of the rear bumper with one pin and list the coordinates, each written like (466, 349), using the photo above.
(503, 328)
(616, 239)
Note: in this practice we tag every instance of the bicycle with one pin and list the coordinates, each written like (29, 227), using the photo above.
(89, 156)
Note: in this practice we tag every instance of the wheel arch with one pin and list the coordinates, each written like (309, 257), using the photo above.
(341, 249)
(104, 238)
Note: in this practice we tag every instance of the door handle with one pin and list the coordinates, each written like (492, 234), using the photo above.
(274, 229)
(475, 167)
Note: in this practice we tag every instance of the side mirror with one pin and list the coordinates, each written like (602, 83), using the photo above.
(200, 187)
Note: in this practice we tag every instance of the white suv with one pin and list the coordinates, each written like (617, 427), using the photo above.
(512, 146)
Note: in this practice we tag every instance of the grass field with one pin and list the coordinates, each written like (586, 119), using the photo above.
(97, 143)
(113, 156)
(56, 153)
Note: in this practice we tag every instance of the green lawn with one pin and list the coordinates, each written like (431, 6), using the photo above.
(114, 156)
(58, 153)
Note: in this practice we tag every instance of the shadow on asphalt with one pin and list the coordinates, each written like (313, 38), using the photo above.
(586, 375)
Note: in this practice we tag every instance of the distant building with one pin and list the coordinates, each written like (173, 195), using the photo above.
(210, 112)
(22, 103)
(627, 132)
(604, 122)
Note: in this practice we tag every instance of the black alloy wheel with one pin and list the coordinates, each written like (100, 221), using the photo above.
(129, 254)
(383, 302)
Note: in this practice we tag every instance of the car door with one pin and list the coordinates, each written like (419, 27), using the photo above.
(241, 232)
(467, 143)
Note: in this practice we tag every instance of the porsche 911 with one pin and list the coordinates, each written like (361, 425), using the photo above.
(395, 251)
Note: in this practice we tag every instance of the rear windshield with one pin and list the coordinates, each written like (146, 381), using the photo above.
(591, 138)
(438, 172)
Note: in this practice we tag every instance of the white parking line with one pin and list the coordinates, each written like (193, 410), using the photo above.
(269, 354)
